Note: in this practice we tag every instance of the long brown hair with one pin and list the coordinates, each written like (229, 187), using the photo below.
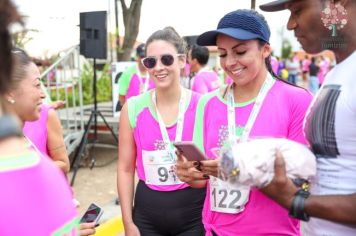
(8, 15)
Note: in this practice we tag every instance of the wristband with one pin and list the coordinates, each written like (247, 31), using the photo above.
(297, 208)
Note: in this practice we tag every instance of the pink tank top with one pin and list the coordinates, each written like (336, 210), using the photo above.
(148, 136)
(35, 197)
(36, 131)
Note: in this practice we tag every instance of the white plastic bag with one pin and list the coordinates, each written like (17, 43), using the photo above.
(251, 163)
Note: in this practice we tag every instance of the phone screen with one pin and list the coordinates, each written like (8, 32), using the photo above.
(92, 214)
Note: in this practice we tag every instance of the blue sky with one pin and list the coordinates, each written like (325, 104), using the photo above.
(58, 20)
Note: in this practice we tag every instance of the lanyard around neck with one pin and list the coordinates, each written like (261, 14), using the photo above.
(267, 85)
(145, 84)
(180, 119)
(140, 77)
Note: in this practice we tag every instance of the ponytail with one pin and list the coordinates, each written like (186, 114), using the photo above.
(269, 67)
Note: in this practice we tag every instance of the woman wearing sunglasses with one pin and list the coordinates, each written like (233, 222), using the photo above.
(257, 104)
(149, 123)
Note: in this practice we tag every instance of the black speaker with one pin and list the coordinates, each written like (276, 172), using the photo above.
(93, 34)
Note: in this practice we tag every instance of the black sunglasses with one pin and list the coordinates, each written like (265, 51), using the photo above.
(166, 59)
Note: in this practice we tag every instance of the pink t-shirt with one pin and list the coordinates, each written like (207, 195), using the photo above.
(205, 82)
(35, 197)
(305, 65)
(36, 131)
(323, 70)
(136, 86)
(186, 70)
(147, 133)
(281, 115)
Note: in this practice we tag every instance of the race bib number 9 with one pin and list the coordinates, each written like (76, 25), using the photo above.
(159, 167)
(227, 199)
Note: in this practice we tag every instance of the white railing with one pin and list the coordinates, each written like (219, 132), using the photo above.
(62, 78)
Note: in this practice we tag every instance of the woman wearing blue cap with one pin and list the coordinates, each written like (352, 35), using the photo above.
(256, 104)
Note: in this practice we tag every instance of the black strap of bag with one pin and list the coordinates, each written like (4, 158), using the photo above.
(9, 126)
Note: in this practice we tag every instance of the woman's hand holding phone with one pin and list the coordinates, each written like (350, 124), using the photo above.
(200, 166)
(189, 172)
(86, 229)
(90, 220)
(210, 167)
(92, 214)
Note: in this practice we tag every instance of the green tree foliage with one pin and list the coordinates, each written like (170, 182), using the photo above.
(21, 38)
(104, 90)
(286, 48)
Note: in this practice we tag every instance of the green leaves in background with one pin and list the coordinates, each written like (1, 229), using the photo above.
(104, 90)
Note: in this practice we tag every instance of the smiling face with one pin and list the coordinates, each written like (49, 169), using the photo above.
(305, 21)
(243, 61)
(164, 76)
(27, 94)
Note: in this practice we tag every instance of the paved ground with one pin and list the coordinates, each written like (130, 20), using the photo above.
(98, 184)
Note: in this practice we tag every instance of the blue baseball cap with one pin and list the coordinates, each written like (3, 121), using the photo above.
(275, 5)
(240, 24)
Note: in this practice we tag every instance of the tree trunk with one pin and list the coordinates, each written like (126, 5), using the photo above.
(131, 18)
(253, 4)
(117, 34)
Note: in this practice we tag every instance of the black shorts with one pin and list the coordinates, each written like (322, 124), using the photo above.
(169, 213)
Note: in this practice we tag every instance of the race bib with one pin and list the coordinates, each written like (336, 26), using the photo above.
(159, 167)
(227, 199)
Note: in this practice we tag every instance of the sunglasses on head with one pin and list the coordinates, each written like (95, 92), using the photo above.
(166, 59)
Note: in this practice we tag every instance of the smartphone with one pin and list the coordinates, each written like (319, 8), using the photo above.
(189, 150)
(92, 214)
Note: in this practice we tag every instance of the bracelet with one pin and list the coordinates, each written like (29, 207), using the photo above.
(297, 208)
